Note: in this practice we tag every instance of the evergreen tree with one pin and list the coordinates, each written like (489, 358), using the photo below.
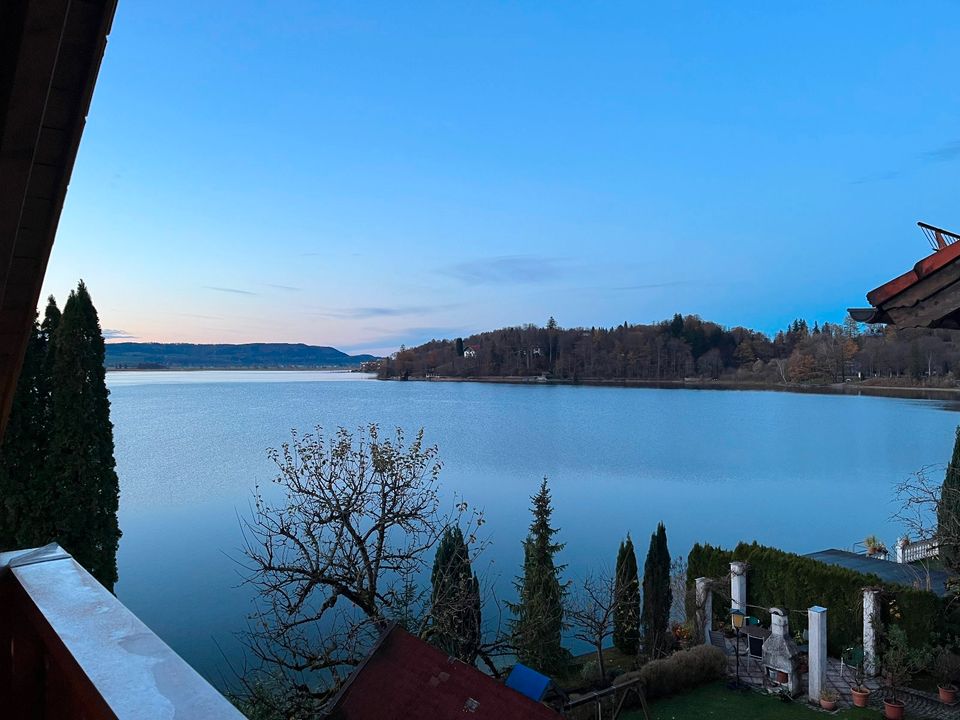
(459, 347)
(26, 519)
(657, 595)
(22, 454)
(538, 616)
(626, 617)
(948, 511)
(455, 599)
(81, 466)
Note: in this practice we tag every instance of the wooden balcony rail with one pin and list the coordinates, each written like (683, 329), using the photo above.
(70, 649)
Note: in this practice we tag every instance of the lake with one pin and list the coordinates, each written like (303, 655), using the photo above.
(798, 471)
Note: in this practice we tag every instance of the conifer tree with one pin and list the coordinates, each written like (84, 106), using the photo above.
(948, 511)
(22, 454)
(81, 465)
(455, 599)
(538, 615)
(657, 595)
(626, 617)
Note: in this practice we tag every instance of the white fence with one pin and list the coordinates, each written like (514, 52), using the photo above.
(908, 552)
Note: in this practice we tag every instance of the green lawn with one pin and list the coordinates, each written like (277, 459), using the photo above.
(716, 701)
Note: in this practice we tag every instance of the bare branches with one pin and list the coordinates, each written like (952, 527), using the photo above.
(590, 611)
(332, 552)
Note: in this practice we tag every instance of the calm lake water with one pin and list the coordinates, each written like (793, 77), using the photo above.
(801, 472)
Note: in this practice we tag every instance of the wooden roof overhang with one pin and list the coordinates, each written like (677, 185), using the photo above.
(928, 295)
(50, 53)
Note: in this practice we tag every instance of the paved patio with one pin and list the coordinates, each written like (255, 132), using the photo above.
(919, 705)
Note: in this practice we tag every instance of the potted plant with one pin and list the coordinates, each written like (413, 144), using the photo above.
(828, 699)
(860, 693)
(874, 546)
(946, 667)
(900, 662)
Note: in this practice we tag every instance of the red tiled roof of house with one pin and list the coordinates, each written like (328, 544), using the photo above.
(405, 677)
(922, 269)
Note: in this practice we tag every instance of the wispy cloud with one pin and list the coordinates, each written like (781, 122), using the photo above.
(653, 286)
(364, 313)
(878, 177)
(288, 288)
(945, 153)
(390, 340)
(115, 334)
(235, 291)
(508, 270)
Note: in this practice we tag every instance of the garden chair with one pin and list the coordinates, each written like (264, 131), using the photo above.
(851, 657)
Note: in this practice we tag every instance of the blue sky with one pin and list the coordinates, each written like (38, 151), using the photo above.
(369, 174)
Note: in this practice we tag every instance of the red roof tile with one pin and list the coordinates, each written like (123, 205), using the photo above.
(928, 265)
(405, 677)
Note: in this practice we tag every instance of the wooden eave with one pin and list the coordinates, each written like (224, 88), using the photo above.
(50, 53)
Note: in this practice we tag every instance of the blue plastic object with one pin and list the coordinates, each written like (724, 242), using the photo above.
(529, 682)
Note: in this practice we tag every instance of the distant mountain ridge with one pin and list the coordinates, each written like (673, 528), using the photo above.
(248, 355)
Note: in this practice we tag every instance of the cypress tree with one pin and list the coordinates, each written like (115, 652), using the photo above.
(26, 519)
(22, 454)
(657, 595)
(948, 511)
(81, 463)
(455, 599)
(538, 615)
(626, 617)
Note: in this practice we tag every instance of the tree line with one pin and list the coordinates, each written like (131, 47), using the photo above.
(57, 470)
(342, 549)
(690, 347)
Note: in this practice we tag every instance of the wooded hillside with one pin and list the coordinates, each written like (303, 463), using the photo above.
(689, 347)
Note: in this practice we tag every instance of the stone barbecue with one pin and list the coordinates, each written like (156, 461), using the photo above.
(780, 655)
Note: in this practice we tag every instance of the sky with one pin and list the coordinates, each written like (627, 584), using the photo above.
(366, 175)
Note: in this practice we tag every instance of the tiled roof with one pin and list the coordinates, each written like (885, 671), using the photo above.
(405, 677)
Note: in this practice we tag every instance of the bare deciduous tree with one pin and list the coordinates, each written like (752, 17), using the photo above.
(590, 612)
(335, 556)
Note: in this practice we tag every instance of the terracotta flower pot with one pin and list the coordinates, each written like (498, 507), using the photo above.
(948, 694)
(828, 704)
(892, 709)
(861, 698)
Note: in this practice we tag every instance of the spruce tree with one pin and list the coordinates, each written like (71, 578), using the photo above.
(657, 595)
(81, 463)
(455, 599)
(948, 511)
(626, 617)
(538, 615)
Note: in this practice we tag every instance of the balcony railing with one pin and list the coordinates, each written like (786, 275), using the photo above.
(70, 649)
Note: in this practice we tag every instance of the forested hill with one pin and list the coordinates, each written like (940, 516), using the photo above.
(689, 347)
(252, 355)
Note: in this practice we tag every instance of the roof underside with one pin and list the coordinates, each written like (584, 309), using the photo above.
(50, 52)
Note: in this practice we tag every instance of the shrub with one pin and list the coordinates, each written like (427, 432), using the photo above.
(590, 672)
(681, 672)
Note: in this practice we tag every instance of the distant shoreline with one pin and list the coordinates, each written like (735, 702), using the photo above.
(908, 393)
(271, 368)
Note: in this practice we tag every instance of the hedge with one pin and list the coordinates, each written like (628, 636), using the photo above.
(681, 672)
(780, 579)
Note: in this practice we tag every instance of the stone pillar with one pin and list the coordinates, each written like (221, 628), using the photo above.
(704, 617)
(902, 544)
(870, 611)
(738, 586)
(817, 653)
